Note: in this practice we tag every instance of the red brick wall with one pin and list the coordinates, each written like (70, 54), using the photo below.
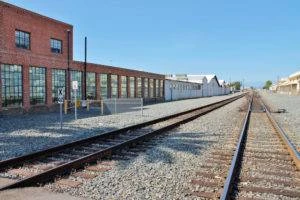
(41, 29)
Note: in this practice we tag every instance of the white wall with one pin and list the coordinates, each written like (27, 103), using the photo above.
(181, 91)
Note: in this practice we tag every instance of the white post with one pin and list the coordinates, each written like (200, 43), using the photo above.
(60, 106)
(142, 106)
(102, 111)
(115, 105)
(75, 104)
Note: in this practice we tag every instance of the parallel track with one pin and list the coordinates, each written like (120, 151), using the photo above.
(46, 165)
(265, 163)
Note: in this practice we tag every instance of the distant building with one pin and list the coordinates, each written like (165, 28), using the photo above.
(210, 85)
(290, 85)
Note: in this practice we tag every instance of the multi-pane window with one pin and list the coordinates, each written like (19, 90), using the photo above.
(114, 86)
(11, 78)
(56, 45)
(103, 86)
(37, 77)
(123, 86)
(161, 88)
(146, 89)
(91, 85)
(139, 87)
(22, 39)
(76, 76)
(58, 81)
(151, 88)
(157, 88)
(131, 80)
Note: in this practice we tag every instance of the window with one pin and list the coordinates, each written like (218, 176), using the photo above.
(114, 86)
(76, 76)
(131, 79)
(139, 87)
(161, 88)
(151, 88)
(58, 81)
(157, 88)
(22, 39)
(11, 78)
(90, 85)
(145, 87)
(56, 45)
(37, 85)
(103, 86)
(124, 86)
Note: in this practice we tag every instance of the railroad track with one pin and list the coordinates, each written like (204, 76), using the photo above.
(260, 163)
(47, 165)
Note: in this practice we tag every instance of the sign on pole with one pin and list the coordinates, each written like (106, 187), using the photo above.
(75, 85)
(60, 95)
(75, 88)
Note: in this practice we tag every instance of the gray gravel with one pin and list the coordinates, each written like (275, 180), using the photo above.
(164, 170)
(27, 133)
(290, 121)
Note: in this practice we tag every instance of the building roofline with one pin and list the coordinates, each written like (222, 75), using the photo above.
(182, 81)
(117, 67)
(34, 13)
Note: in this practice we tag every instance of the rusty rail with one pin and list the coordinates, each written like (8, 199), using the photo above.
(64, 169)
(284, 138)
(237, 156)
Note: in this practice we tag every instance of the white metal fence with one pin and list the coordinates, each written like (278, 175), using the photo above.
(107, 106)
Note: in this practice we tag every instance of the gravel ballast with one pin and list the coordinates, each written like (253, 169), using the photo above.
(290, 120)
(23, 134)
(164, 169)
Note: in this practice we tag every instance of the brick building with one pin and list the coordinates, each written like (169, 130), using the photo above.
(36, 58)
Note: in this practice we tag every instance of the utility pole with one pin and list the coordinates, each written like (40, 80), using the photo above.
(68, 89)
(85, 64)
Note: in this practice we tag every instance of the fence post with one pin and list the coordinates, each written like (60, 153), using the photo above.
(66, 106)
(142, 106)
(115, 105)
(102, 111)
(88, 105)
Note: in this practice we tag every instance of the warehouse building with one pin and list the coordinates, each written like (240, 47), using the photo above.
(36, 58)
(184, 86)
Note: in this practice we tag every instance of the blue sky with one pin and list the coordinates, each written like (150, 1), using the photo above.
(252, 40)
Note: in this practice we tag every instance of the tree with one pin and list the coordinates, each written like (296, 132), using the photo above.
(267, 84)
(236, 85)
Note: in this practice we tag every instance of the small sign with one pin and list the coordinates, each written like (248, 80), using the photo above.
(60, 95)
(75, 85)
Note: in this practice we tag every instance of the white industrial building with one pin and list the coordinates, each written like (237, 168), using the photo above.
(193, 86)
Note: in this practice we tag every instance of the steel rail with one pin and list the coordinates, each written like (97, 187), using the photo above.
(237, 155)
(64, 169)
(17, 161)
(284, 138)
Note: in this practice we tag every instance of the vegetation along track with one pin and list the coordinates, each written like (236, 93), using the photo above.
(258, 163)
(46, 165)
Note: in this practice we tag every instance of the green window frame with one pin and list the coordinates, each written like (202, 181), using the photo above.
(12, 86)
(91, 85)
(131, 85)
(103, 85)
(37, 76)
(123, 86)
